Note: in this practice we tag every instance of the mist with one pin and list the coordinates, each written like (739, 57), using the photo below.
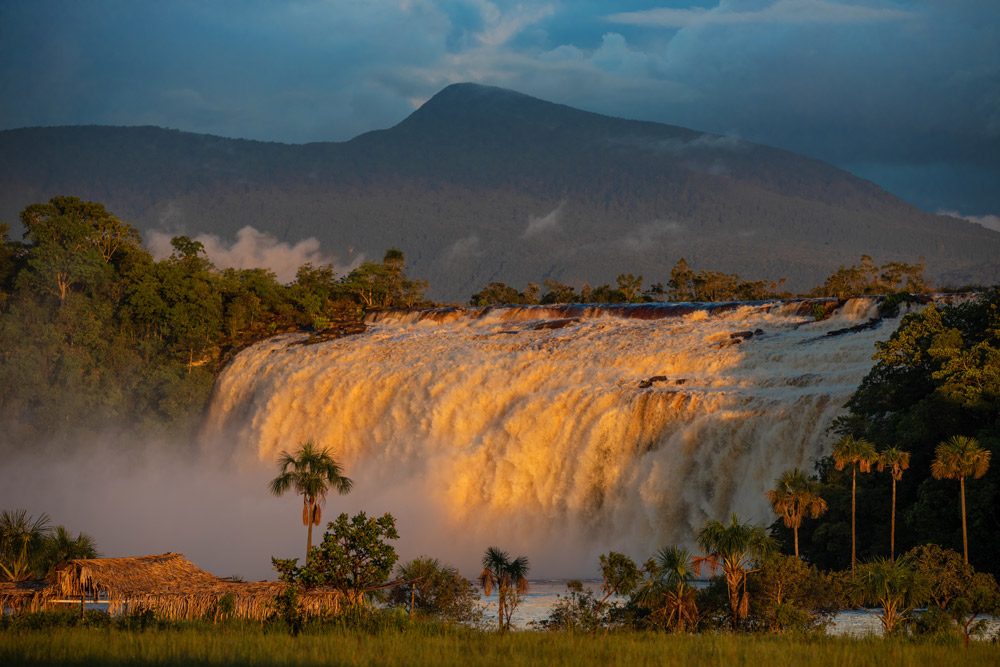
(144, 498)
(255, 249)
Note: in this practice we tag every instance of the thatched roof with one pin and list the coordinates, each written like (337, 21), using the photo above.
(22, 595)
(173, 587)
(106, 577)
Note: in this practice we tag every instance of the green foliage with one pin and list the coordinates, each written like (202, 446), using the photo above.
(789, 595)
(737, 547)
(958, 596)
(354, 557)
(867, 278)
(95, 335)
(510, 579)
(894, 587)
(500, 294)
(440, 592)
(30, 548)
(579, 612)
(936, 377)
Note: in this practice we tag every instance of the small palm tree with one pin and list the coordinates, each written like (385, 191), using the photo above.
(669, 592)
(509, 577)
(311, 472)
(22, 540)
(737, 547)
(859, 454)
(794, 499)
(892, 587)
(958, 458)
(61, 546)
(896, 460)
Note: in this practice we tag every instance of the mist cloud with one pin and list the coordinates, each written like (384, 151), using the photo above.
(253, 249)
(545, 223)
(987, 221)
(463, 248)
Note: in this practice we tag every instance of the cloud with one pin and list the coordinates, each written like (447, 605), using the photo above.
(987, 221)
(501, 28)
(253, 249)
(649, 235)
(783, 11)
(463, 248)
(546, 223)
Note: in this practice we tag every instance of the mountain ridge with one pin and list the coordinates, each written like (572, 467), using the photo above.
(483, 184)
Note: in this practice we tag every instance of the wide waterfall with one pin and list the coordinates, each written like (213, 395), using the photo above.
(559, 432)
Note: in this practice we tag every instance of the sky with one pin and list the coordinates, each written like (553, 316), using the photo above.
(904, 93)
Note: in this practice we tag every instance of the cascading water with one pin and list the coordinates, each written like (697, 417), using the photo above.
(572, 430)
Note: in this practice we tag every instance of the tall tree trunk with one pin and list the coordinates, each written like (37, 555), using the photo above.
(796, 531)
(892, 530)
(965, 532)
(854, 497)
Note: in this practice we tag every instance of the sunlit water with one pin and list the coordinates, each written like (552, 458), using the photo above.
(557, 433)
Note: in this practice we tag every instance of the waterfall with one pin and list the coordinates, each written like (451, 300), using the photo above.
(576, 429)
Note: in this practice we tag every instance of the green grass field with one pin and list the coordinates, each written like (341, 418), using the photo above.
(420, 646)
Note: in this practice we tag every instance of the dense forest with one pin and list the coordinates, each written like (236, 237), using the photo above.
(96, 336)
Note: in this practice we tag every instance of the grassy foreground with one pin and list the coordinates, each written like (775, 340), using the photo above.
(80, 646)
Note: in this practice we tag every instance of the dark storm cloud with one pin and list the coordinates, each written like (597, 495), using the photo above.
(892, 88)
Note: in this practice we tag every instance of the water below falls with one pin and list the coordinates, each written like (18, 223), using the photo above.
(558, 433)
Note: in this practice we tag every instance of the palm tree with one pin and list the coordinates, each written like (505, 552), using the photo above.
(896, 460)
(21, 542)
(859, 454)
(311, 472)
(736, 547)
(794, 499)
(892, 587)
(61, 546)
(509, 577)
(957, 458)
(675, 571)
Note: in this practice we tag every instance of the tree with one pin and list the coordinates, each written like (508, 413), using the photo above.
(311, 472)
(509, 577)
(630, 287)
(894, 587)
(954, 586)
(958, 458)
(619, 574)
(353, 557)
(64, 246)
(737, 547)
(681, 282)
(896, 460)
(794, 499)
(790, 594)
(859, 454)
(437, 590)
(668, 591)
(61, 546)
(22, 540)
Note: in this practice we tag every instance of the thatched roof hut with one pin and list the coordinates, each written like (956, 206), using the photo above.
(20, 596)
(172, 587)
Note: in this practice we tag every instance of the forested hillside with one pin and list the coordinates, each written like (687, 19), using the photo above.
(483, 184)
(97, 338)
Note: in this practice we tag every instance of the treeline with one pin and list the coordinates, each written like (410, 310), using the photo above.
(95, 334)
(686, 284)
(935, 381)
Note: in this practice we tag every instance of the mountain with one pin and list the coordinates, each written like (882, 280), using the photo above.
(484, 184)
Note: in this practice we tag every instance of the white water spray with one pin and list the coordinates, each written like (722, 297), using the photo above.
(557, 433)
